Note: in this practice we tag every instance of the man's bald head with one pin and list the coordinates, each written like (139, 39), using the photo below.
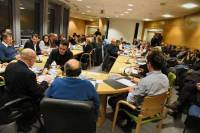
(28, 56)
(113, 41)
(72, 68)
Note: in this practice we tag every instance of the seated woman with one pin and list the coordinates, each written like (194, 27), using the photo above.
(87, 47)
(44, 45)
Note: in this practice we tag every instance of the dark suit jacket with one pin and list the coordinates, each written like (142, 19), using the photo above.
(29, 44)
(87, 48)
(21, 81)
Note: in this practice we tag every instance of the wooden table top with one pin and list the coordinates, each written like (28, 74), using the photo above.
(103, 88)
(121, 63)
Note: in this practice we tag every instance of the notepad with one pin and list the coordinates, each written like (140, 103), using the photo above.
(126, 82)
(114, 84)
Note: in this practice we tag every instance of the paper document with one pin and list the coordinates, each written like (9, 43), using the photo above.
(126, 82)
(141, 63)
(93, 83)
(99, 81)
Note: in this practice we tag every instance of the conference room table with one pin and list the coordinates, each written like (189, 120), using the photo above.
(104, 90)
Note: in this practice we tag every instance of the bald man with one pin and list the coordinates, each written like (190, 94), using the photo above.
(112, 50)
(71, 87)
(21, 81)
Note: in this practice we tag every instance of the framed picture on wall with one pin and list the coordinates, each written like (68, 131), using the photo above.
(90, 30)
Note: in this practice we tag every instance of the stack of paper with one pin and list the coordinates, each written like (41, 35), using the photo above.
(126, 82)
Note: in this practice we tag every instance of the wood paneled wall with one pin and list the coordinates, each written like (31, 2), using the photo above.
(183, 31)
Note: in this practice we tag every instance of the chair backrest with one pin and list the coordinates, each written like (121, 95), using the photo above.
(67, 116)
(172, 78)
(153, 105)
(2, 81)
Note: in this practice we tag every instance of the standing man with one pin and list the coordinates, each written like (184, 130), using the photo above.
(97, 33)
(33, 44)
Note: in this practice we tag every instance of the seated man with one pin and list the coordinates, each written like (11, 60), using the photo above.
(33, 44)
(7, 51)
(71, 87)
(154, 83)
(112, 50)
(60, 55)
(21, 82)
(187, 94)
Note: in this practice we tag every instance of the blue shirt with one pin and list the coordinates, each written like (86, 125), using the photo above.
(73, 89)
(7, 54)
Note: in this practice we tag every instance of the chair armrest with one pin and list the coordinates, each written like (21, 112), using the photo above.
(112, 57)
(16, 101)
(2, 78)
(127, 104)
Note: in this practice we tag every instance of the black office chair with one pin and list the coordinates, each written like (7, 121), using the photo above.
(12, 110)
(192, 124)
(66, 116)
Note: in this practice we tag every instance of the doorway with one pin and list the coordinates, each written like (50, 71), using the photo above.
(149, 33)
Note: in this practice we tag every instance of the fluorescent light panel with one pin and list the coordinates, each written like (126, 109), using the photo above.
(147, 19)
(167, 15)
(21, 8)
(130, 5)
(189, 5)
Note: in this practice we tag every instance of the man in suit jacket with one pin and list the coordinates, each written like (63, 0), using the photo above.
(21, 81)
(33, 44)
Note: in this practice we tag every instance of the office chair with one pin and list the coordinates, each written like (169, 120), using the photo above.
(12, 110)
(152, 109)
(67, 116)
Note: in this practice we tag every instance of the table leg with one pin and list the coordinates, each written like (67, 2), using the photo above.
(102, 110)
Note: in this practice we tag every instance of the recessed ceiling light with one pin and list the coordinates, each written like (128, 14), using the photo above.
(130, 5)
(21, 8)
(189, 5)
(122, 14)
(88, 7)
(126, 12)
(147, 19)
(79, 0)
(167, 15)
(129, 9)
